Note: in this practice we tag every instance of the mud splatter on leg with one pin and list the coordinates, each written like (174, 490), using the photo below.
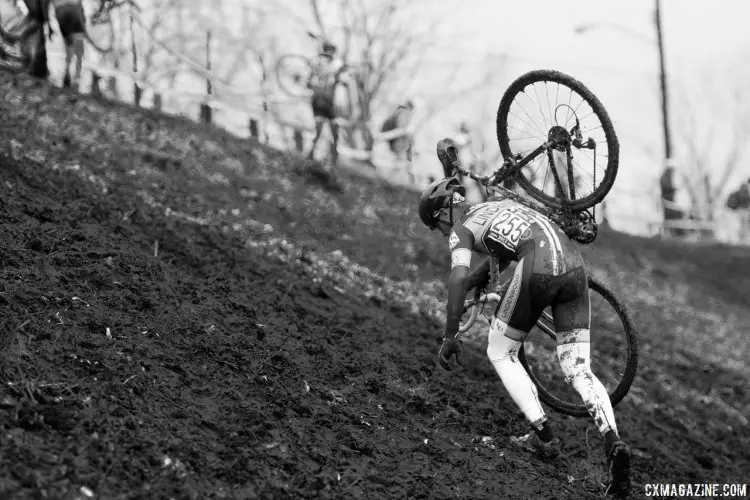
(574, 353)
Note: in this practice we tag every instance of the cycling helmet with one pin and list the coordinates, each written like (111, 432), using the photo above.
(436, 196)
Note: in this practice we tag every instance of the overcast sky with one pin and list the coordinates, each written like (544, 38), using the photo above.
(618, 61)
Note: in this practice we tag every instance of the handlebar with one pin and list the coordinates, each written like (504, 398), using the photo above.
(473, 306)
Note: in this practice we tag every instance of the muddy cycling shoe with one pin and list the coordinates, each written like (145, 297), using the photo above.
(531, 442)
(618, 459)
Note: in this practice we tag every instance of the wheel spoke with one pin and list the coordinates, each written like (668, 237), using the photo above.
(543, 134)
(583, 119)
(539, 105)
(532, 120)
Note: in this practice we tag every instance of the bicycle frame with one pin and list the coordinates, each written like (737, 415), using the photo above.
(579, 225)
(510, 166)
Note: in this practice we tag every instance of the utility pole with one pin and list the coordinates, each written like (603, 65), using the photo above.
(209, 87)
(663, 86)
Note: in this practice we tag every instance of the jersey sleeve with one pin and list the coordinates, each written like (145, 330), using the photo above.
(460, 243)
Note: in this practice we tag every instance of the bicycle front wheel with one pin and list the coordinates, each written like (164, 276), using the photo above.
(614, 353)
(579, 169)
(292, 73)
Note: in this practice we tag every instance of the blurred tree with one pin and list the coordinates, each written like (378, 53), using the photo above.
(172, 45)
(384, 41)
(712, 133)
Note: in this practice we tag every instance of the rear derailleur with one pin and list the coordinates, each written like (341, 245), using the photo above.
(581, 227)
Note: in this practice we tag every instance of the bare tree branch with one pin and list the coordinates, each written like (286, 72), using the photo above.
(318, 19)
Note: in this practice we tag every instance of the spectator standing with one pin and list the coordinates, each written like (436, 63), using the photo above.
(668, 192)
(401, 146)
(739, 201)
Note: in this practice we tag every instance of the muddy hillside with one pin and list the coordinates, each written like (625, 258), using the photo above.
(185, 314)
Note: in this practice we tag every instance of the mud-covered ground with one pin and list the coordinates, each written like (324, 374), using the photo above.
(173, 324)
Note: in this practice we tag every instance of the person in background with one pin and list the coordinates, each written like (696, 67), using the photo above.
(739, 201)
(324, 77)
(668, 191)
(71, 20)
(401, 146)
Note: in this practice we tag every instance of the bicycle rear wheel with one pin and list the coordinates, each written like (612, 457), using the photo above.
(292, 73)
(614, 354)
(580, 169)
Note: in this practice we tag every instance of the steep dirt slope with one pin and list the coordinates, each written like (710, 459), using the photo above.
(159, 340)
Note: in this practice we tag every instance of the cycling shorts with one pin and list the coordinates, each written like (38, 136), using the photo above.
(533, 288)
(322, 106)
(70, 20)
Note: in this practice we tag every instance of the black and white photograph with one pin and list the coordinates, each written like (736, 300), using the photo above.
(374, 249)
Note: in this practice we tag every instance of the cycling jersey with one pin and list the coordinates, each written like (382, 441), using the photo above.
(550, 269)
(70, 18)
(323, 80)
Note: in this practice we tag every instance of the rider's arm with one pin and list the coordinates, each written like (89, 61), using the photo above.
(480, 276)
(461, 242)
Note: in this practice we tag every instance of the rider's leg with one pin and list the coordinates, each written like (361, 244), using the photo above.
(69, 52)
(574, 353)
(78, 49)
(572, 315)
(503, 344)
(333, 123)
(319, 121)
(502, 349)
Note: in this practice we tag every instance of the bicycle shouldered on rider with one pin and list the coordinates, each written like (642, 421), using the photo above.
(549, 272)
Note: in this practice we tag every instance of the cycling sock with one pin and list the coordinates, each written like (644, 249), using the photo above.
(610, 438)
(503, 353)
(575, 361)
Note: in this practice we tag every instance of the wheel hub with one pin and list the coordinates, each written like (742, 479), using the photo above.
(559, 137)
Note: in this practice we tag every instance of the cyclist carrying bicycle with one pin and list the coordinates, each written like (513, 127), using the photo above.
(325, 75)
(550, 272)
